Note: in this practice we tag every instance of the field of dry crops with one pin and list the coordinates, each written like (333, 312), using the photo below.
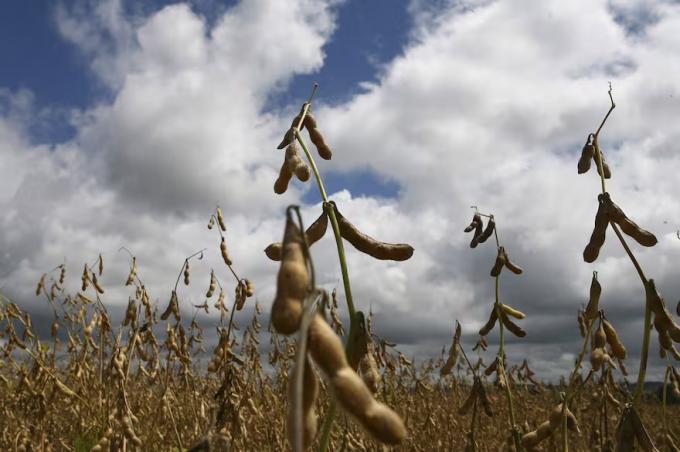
(157, 381)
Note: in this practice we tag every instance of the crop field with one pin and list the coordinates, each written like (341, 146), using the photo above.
(159, 379)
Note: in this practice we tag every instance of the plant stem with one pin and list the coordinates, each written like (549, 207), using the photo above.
(330, 211)
(647, 329)
(501, 368)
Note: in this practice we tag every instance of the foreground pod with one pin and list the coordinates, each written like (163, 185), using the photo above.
(326, 350)
(292, 282)
(369, 245)
(349, 389)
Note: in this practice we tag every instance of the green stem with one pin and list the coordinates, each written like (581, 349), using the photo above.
(501, 368)
(330, 211)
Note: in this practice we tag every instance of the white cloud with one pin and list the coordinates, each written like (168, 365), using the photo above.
(488, 106)
(485, 106)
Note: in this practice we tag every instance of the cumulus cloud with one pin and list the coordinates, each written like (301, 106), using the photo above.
(484, 106)
(490, 107)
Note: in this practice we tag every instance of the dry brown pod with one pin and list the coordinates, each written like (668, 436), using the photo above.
(96, 285)
(173, 307)
(597, 238)
(581, 324)
(516, 269)
(491, 368)
(587, 155)
(220, 219)
(133, 272)
(556, 416)
(186, 273)
(628, 226)
(212, 286)
(592, 309)
(292, 282)
(663, 320)
(369, 369)
(281, 183)
(85, 280)
(484, 330)
(289, 136)
(476, 219)
(316, 137)
(618, 350)
(534, 437)
(313, 234)
(369, 245)
(296, 164)
(500, 262)
(453, 352)
(349, 389)
(597, 156)
(512, 327)
(223, 251)
(479, 231)
(598, 357)
(488, 231)
(599, 338)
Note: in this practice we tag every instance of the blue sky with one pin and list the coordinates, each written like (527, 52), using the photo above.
(369, 34)
(123, 124)
(35, 56)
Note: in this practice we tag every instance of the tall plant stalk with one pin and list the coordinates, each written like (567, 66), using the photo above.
(500, 357)
(647, 328)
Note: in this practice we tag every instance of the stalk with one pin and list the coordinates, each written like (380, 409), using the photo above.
(501, 357)
(647, 329)
(330, 211)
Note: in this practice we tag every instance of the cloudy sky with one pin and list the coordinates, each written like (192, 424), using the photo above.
(125, 125)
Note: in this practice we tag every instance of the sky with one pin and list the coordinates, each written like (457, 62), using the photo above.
(125, 125)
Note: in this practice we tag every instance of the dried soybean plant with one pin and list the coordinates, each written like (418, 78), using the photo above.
(292, 313)
(294, 164)
(244, 287)
(605, 348)
(477, 394)
(610, 214)
(500, 312)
